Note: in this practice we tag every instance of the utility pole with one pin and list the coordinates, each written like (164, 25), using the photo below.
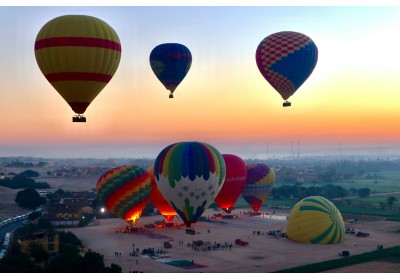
(298, 149)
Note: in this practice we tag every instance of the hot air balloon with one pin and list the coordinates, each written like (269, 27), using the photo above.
(260, 179)
(125, 191)
(286, 59)
(170, 62)
(235, 179)
(158, 199)
(78, 55)
(189, 175)
(315, 220)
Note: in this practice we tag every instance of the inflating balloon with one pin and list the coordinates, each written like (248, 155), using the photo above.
(125, 191)
(286, 59)
(170, 62)
(235, 179)
(158, 200)
(78, 55)
(315, 220)
(260, 179)
(189, 175)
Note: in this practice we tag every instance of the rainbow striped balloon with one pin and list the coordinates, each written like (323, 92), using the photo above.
(315, 220)
(260, 179)
(125, 191)
(189, 175)
(78, 55)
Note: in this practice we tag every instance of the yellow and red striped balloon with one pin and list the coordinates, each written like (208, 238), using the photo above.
(78, 55)
(125, 191)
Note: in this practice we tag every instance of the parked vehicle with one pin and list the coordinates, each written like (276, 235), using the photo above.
(167, 245)
(355, 220)
(344, 253)
(241, 242)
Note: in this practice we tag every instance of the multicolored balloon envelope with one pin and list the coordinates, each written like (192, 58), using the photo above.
(235, 179)
(286, 59)
(158, 199)
(260, 179)
(315, 220)
(189, 175)
(170, 62)
(125, 191)
(78, 55)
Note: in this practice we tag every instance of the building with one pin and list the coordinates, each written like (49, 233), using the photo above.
(49, 240)
(66, 211)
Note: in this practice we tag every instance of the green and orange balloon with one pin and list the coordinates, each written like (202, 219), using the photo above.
(125, 191)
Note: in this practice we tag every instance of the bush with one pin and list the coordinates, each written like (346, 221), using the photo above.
(29, 198)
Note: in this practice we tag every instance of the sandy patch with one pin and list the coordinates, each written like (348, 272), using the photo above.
(263, 254)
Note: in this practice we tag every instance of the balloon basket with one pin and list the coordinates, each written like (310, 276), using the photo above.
(78, 118)
(286, 104)
(171, 96)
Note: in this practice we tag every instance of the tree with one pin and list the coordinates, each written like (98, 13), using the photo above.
(65, 264)
(391, 200)
(34, 215)
(38, 252)
(114, 268)
(363, 192)
(45, 224)
(69, 242)
(29, 198)
(20, 263)
(354, 191)
(93, 262)
(29, 173)
(20, 181)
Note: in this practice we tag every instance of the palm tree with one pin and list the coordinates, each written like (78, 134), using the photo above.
(390, 200)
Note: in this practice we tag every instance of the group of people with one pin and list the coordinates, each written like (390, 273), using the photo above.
(208, 245)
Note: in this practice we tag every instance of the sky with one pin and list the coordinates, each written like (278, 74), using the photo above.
(349, 103)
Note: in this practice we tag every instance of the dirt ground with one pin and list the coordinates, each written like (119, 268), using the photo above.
(263, 254)
(8, 207)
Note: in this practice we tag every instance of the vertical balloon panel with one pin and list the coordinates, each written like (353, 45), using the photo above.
(158, 200)
(190, 176)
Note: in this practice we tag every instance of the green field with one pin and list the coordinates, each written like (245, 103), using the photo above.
(388, 181)
(327, 265)
(359, 206)
(385, 182)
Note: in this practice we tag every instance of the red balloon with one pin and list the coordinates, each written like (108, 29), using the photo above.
(235, 180)
(158, 199)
